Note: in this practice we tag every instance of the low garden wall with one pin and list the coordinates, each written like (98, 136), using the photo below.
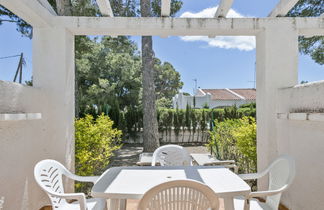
(28, 134)
(300, 133)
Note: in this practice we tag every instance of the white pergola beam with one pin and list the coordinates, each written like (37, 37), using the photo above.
(33, 12)
(282, 8)
(223, 8)
(165, 8)
(153, 26)
(105, 8)
(47, 5)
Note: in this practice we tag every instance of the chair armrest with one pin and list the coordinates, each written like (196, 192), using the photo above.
(77, 196)
(266, 192)
(92, 179)
(253, 175)
(249, 176)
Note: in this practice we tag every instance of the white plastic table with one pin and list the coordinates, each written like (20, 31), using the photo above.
(121, 183)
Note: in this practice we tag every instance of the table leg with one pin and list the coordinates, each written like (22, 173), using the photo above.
(122, 204)
(229, 203)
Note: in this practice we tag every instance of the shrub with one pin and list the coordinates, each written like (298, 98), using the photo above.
(235, 139)
(95, 141)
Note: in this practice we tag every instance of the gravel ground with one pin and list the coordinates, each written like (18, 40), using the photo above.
(129, 153)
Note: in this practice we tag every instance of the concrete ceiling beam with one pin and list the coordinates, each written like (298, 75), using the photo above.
(155, 26)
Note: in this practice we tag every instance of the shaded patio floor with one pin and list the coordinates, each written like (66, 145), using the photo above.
(128, 155)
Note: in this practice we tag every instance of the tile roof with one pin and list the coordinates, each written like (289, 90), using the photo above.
(231, 94)
(248, 94)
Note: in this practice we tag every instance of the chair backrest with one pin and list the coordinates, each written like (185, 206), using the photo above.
(171, 155)
(281, 174)
(48, 175)
(180, 194)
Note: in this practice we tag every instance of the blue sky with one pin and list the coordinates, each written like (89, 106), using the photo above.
(199, 58)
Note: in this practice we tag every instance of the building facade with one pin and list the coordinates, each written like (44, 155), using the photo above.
(214, 98)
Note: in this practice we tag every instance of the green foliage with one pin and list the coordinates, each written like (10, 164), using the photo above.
(167, 80)
(313, 46)
(164, 102)
(205, 106)
(95, 141)
(251, 105)
(245, 136)
(110, 70)
(235, 139)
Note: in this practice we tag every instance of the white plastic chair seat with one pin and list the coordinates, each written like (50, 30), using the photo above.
(92, 204)
(254, 204)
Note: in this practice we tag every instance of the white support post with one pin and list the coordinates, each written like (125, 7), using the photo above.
(53, 73)
(223, 8)
(33, 12)
(165, 8)
(277, 67)
(282, 8)
(105, 8)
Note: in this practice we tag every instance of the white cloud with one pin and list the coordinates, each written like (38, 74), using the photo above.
(246, 43)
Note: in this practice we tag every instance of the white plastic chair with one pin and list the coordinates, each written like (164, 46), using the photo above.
(180, 194)
(281, 174)
(48, 175)
(171, 155)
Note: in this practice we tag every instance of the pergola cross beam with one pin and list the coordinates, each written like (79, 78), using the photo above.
(223, 8)
(47, 5)
(33, 12)
(155, 26)
(165, 8)
(105, 8)
(282, 8)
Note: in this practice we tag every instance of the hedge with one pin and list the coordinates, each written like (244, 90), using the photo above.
(131, 121)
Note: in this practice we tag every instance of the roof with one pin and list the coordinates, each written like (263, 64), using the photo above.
(231, 94)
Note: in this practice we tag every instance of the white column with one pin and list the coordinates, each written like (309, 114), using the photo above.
(277, 63)
(53, 73)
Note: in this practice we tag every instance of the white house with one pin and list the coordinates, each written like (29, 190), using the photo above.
(215, 98)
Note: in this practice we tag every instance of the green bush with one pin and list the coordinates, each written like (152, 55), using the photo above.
(250, 105)
(235, 139)
(95, 141)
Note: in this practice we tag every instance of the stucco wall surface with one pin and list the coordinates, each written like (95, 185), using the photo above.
(22, 144)
(304, 140)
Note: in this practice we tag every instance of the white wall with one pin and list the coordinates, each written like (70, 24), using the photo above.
(276, 67)
(304, 140)
(182, 101)
(24, 143)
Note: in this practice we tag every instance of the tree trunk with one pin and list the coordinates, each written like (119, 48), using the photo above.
(150, 126)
